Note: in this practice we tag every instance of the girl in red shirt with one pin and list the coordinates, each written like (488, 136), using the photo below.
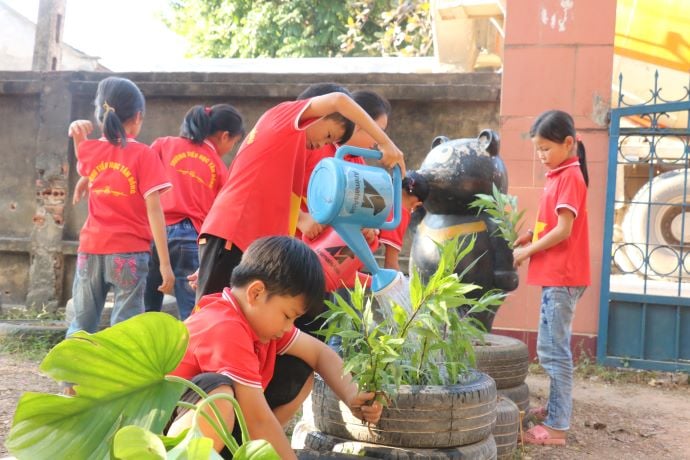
(125, 179)
(558, 250)
(194, 165)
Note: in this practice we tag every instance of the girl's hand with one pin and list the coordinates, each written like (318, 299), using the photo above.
(80, 190)
(361, 409)
(519, 256)
(168, 279)
(391, 156)
(80, 129)
(523, 239)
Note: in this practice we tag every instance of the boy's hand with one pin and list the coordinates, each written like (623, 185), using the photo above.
(370, 235)
(391, 155)
(308, 226)
(360, 407)
(80, 129)
(168, 279)
(193, 279)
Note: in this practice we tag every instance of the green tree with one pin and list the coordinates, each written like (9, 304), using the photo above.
(302, 28)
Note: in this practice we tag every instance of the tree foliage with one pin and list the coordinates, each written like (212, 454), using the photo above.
(302, 28)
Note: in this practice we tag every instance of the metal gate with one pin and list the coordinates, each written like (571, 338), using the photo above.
(644, 317)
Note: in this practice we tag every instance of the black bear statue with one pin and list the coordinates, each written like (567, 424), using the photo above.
(456, 171)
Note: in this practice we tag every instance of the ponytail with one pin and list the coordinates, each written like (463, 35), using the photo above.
(118, 100)
(583, 160)
(200, 122)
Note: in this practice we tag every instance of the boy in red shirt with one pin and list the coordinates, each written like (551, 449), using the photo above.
(235, 337)
(264, 190)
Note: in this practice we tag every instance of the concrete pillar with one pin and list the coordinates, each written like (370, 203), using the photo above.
(48, 41)
(557, 55)
(46, 272)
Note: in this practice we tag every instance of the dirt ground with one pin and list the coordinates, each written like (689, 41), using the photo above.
(610, 421)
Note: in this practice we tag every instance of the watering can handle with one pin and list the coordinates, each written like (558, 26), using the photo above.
(397, 180)
(357, 152)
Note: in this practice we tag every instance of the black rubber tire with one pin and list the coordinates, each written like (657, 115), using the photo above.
(482, 450)
(664, 236)
(519, 395)
(507, 428)
(306, 454)
(505, 359)
(418, 417)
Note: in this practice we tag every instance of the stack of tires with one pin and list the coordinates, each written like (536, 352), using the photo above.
(421, 422)
(506, 360)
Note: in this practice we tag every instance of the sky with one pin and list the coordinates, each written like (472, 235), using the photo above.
(125, 34)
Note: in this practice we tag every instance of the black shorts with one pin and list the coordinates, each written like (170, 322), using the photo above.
(289, 376)
(216, 264)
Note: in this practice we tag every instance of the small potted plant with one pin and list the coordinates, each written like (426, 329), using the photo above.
(418, 360)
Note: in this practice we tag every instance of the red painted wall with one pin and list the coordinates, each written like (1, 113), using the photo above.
(558, 54)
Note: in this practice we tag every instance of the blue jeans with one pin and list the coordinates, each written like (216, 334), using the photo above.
(553, 348)
(184, 259)
(96, 274)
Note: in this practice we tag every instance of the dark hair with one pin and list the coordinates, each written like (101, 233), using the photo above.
(372, 103)
(117, 101)
(347, 124)
(555, 126)
(200, 122)
(416, 184)
(286, 266)
(320, 89)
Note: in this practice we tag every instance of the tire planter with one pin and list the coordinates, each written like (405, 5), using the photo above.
(418, 416)
(505, 359)
(507, 428)
(306, 454)
(519, 395)
(482, 450)
(665, 218)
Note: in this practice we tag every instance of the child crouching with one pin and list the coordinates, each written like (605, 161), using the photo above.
(236, 335)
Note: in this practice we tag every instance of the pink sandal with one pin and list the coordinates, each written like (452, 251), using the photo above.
(540, 436)
(538, 414)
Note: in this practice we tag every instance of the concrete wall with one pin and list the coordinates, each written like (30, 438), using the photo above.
(557, 55)
(39, 227)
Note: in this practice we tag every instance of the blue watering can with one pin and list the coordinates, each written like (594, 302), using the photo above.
(350, 197)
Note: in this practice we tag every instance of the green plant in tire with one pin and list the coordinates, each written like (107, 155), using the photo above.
(431, 344)
(124, 397)
(503, 211)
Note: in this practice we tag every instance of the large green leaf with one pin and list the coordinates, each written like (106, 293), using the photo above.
(118, 375)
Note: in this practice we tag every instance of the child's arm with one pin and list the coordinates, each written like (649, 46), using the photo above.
(79, 131)
(559, 233)
(329, 365)
(320, 106)
(157, 224)
(391, 259)
(261, 421)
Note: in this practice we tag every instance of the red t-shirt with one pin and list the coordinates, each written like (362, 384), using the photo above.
(394, 237)
(222, 341)
(264, 189)
(197, 174)
(567, 263)
(120, 179)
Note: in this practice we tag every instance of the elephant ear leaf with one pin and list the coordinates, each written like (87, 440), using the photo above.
(135, 443)
(119, 379)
